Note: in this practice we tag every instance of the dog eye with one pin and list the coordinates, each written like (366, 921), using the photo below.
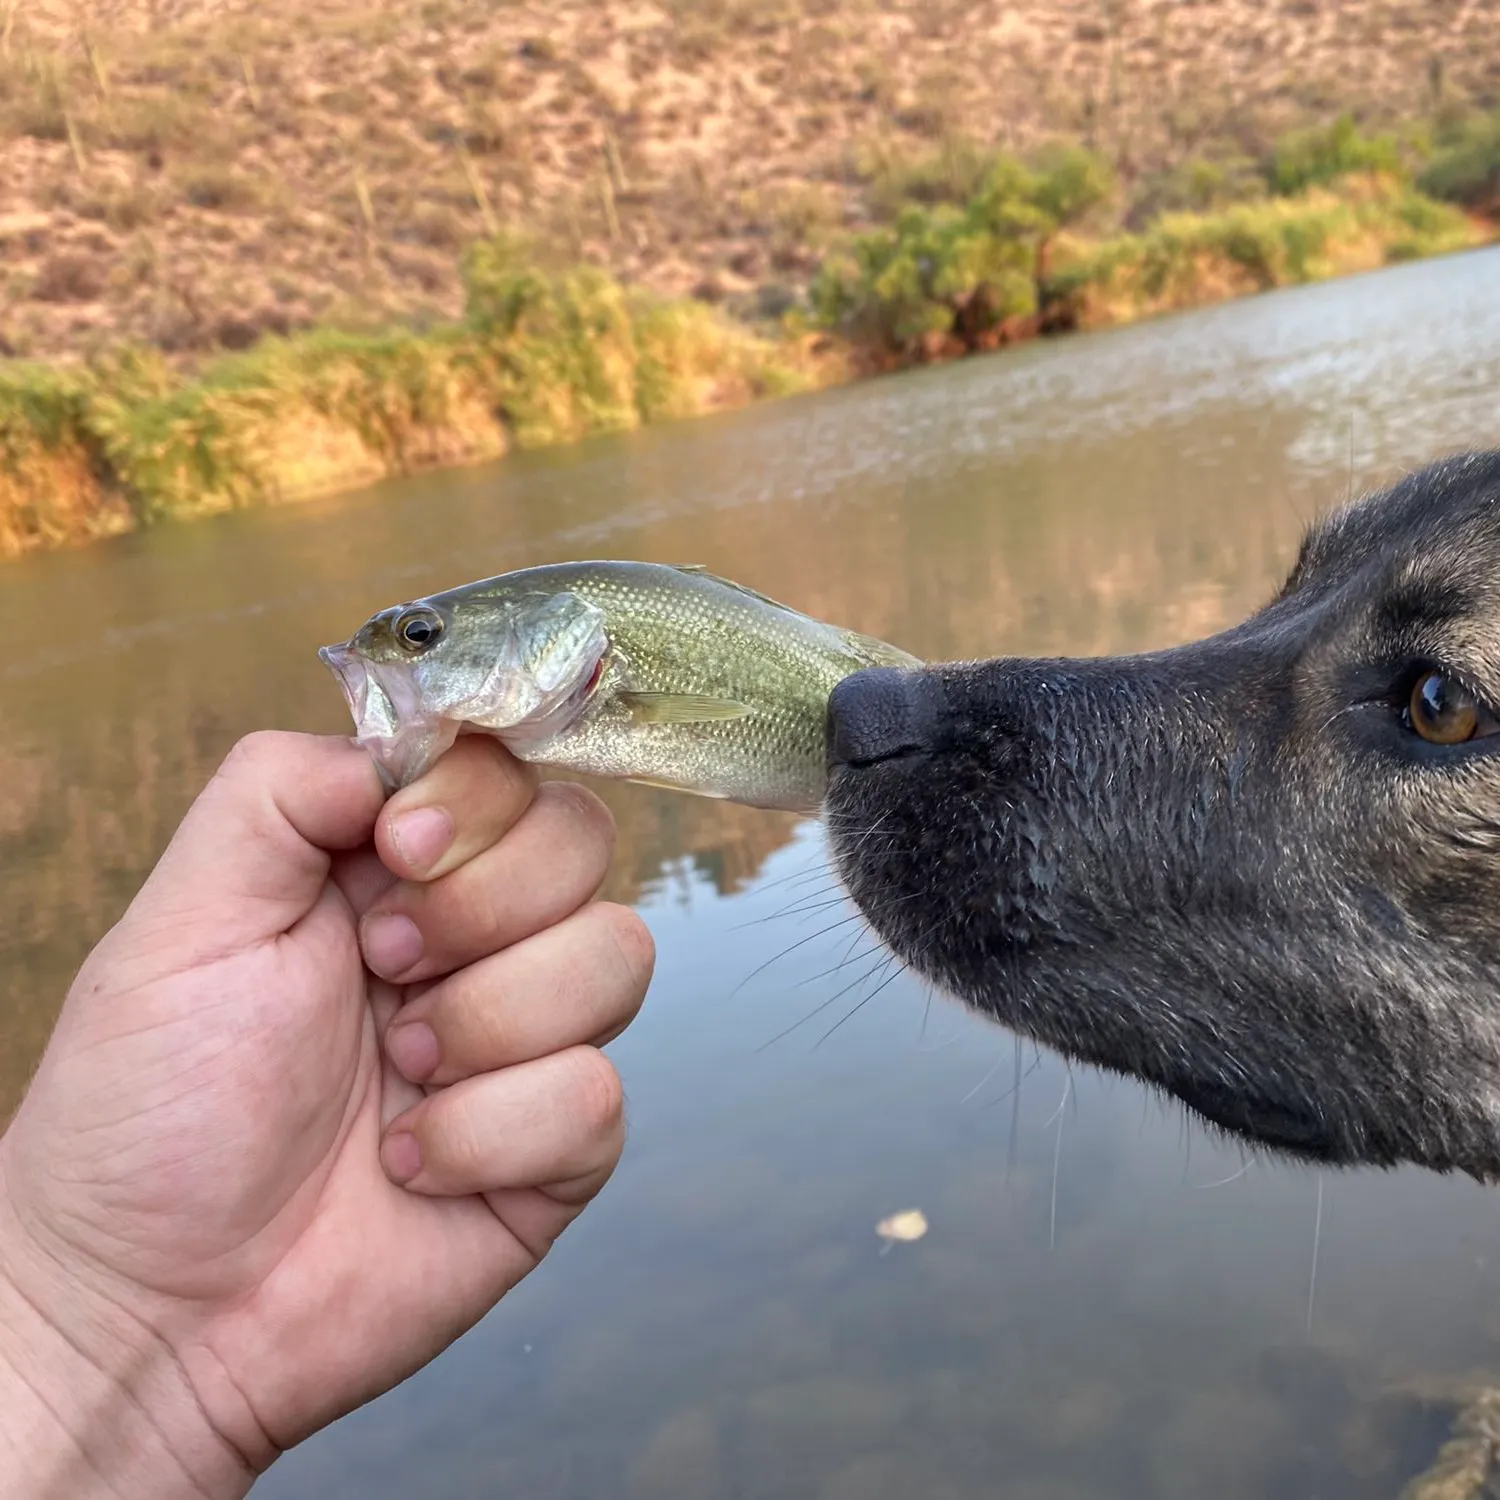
(1444, 712)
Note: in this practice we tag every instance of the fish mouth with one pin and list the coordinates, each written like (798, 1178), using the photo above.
(404, 732)
(345, 664)
(389, 721)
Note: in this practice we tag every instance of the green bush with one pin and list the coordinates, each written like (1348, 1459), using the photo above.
(1065, 184)
(953, 173)
(1184, 259)
(958, 272)
(173, 446)
(1196, 185)
(570, 351)
(561, 343)
(39, 407)
(51, 461)
(895, 286)
(1313, 158)
(1465, 166)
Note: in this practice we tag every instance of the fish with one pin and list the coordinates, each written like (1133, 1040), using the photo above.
(636, 671)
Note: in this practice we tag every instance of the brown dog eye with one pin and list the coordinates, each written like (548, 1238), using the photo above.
(1443, 710)
(417, 629)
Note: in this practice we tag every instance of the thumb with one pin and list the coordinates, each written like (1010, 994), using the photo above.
(253, 853)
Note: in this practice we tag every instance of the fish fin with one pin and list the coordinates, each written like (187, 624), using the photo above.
(880, 653)
(875, 652)
(681, 708)
(700, 570)
(676, 786)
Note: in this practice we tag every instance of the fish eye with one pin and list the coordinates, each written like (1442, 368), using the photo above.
(1445, 712)
(418, 628)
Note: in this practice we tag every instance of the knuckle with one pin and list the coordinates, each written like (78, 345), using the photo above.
(599, 1093)
(633, 945)
(482, 755)
(605, 1169)
(252, 753)
(586, 812)
(490, 907)
(452, 1143)
(248, 777)
(476, 774)
(474, 1027)
(487, 782)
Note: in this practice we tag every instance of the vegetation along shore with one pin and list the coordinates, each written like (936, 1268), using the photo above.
(248, 256)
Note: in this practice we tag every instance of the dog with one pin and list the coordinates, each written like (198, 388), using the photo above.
(1260, 872)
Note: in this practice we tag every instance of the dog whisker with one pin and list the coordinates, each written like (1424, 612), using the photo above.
(1312, 1279)
(1205, 1187)
(899, 970)
(823, 1005)
(1057, 1163)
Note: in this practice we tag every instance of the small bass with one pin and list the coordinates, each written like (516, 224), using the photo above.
(638, 671)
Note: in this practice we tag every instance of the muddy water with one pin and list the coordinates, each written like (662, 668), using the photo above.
(1108, 1303)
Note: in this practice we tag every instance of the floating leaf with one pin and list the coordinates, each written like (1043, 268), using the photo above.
(909, 1224)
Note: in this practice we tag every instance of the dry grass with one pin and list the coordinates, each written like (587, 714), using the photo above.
(194, 173)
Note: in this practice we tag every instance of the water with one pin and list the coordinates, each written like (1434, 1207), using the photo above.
(1108, 1302)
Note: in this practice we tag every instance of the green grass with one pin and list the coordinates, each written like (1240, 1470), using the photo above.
(1185, 260)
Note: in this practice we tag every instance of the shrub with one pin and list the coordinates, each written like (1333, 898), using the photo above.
(70, 276)
(1465, 167)
(1196, 185)
(560, 343)
(545, 353)
(948, 272)
(49, 461)
(953, 173)
(1304, 159)
(1184, 260)
(222, 189)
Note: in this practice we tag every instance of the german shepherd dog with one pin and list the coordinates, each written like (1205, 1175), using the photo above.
(1260, 872)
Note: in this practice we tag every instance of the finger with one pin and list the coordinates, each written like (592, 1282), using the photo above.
(558, 1119)
(549, 864)
(582, 980)
(362, 877)
(537, 1216)
(252, 855)
(468, 801)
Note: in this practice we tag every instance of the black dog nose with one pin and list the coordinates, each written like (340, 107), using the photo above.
(878, 714)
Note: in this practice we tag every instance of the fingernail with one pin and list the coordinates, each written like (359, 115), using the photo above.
(391, 943)
(413, 1047)
(401, 1156)
(422, 836)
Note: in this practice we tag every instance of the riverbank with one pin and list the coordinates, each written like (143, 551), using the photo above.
(549, 353)
(253, 254)
(542, 356)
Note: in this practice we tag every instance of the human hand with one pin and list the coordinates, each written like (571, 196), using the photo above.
(205, 1254)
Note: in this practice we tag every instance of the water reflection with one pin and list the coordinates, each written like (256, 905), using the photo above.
(1089, 1316)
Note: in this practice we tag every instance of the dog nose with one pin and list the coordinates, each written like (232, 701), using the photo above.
(877, 714)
